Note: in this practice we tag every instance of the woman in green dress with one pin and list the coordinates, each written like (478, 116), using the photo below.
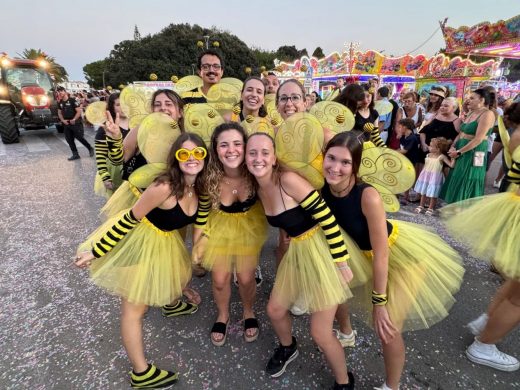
(467, 179)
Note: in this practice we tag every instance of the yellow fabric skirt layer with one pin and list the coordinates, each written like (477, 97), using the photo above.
(235, 239)
(124, 198)
(116, 177)
(148, 266)
(308, 275)
(424, 273)
(361, 269)
(490, 225)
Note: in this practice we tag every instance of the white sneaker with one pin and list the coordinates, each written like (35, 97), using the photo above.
(235, 279)
(384, 387)
(496, 184)
(346, 340)
(477, 325)
(489, 355)
(298, 308)
(258, 276)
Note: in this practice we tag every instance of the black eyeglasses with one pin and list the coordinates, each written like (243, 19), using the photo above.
(211, 66)
(294, 98)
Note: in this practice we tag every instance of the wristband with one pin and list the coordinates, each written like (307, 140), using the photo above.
(459, 153)
(379, 299)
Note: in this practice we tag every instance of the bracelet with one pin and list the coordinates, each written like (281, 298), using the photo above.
(459, 153)
(379, 299)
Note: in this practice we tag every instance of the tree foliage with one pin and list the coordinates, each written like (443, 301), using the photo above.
(173, 51)
(290, 53)
(56, 70)
(94, 73)
(318, 53)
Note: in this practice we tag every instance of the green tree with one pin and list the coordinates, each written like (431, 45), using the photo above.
(173, 51)
(56, 70)
(290, 53)
(264, 58)
(318, 53)
(94, 73)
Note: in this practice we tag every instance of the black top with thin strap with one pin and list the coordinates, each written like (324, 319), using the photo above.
(295, 221)
(238, 206)
(170, 219)
(349, 214)
(437, 128)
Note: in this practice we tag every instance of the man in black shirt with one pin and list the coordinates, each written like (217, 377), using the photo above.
(69, 112)
(211, 68)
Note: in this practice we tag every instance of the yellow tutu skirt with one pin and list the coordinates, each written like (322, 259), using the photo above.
(116, 177)
(424, 273)
(308, 275)
(124, 198)
(148, 266)
(490, 225)
(235, 239)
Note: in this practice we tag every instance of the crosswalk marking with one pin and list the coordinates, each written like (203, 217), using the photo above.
(35, 144)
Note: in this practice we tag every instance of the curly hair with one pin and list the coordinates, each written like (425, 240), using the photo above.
(173, 174)
(442, 144)
(215, 172)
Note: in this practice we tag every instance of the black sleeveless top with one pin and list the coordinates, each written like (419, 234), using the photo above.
(170, 219)
(239, 207)
(295, 221)
(349, 214)
(437, 128)
(361, 121)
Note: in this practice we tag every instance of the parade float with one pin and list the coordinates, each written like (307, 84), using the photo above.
(497, 40)
(417, 72)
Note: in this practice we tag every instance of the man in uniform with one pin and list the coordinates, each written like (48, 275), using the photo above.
(69, 112)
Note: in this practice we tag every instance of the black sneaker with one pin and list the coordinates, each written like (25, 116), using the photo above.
(91, 152)
(348, 386)
(153, 378)
(74, 156)
(281, 358)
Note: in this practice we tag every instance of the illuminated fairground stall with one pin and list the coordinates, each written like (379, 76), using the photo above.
(495, 40)
(419, 72)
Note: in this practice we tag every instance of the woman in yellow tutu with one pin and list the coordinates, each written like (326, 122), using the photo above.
(109, 175)
(314, 270)
(490, 225)
(127, 152)
(415, 273)
(140, 255)
(235, 231)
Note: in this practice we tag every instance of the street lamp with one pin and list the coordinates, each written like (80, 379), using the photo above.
(192, 69)
(104, 78)
(206, 38)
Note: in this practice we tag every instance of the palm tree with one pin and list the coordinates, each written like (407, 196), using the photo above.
(57, 71)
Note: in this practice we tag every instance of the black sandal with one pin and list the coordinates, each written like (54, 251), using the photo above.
(219, 327)
(251, 323)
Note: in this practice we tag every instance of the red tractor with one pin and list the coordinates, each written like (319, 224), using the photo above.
(27, 97)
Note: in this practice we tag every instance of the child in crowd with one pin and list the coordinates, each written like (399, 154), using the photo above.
(409, 146)
(431, 178)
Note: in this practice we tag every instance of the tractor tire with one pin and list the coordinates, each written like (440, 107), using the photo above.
(8, 128)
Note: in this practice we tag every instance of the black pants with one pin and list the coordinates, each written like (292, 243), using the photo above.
(75, 131)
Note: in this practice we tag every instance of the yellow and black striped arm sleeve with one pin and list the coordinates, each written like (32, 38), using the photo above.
(101, 148)
(115, 150)
(513, 175)
(375, 136)
(203, 211)
(315, 204)
(115, 234)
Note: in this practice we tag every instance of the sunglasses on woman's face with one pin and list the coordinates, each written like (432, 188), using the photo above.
(198, 153)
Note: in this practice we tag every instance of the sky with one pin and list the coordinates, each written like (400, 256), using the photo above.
(79, 32)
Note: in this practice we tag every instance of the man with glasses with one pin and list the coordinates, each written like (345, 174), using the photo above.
(211, 67)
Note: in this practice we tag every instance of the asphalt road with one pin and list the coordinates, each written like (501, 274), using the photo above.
(59, 331)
